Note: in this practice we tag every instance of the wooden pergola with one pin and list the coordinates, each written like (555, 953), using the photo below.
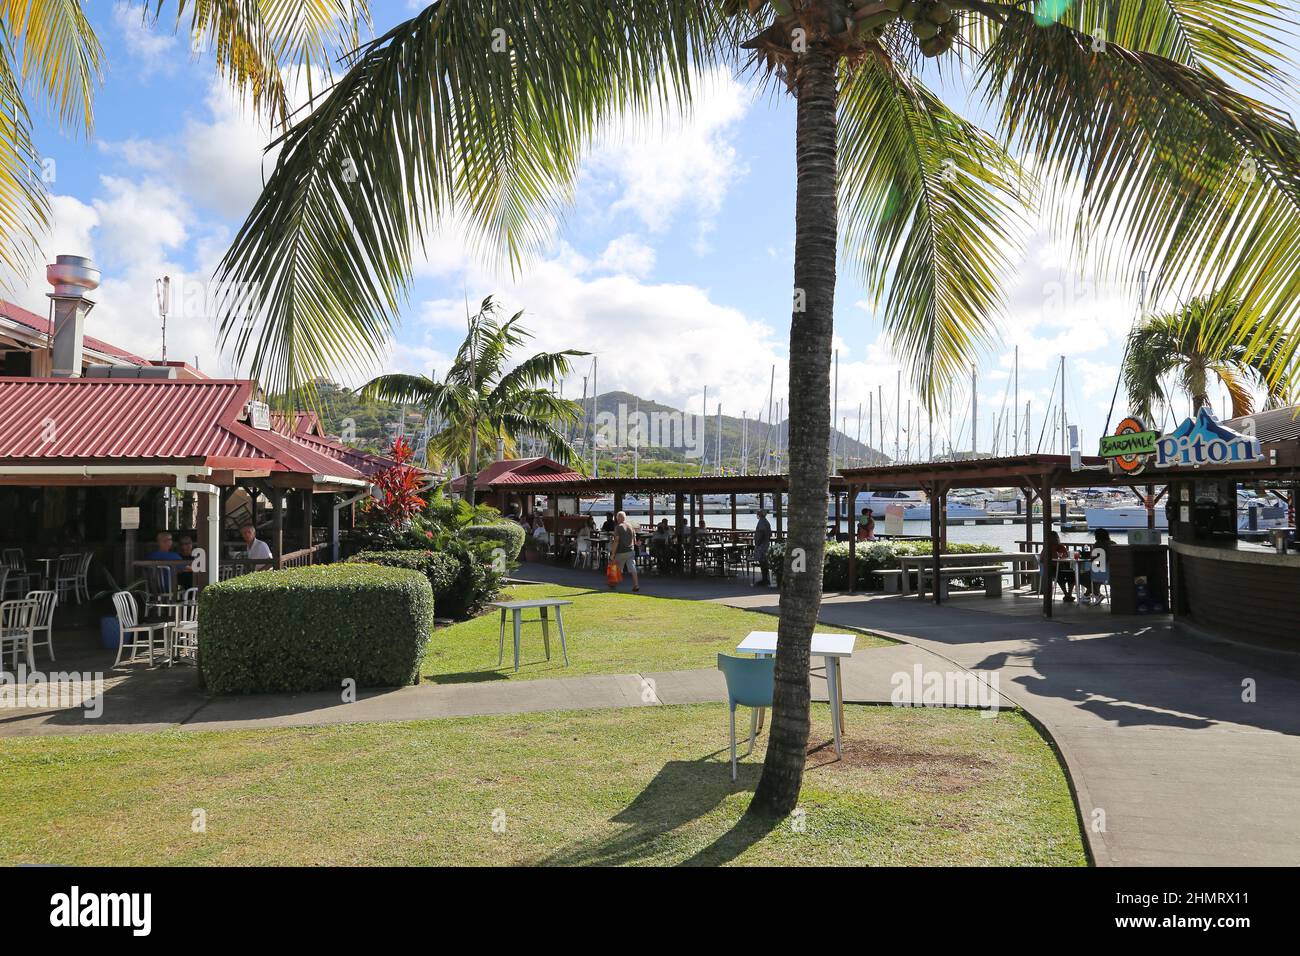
(1037, 476)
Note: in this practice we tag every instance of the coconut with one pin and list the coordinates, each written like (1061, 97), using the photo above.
(932, 46)
(910, 11)
(940, 12)
(876, 21)
(893, 5)
(924, 29)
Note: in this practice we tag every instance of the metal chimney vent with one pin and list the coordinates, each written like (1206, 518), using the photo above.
(72, 277)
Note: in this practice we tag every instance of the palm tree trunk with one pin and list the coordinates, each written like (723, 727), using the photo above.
(471, 472)
(809, 429)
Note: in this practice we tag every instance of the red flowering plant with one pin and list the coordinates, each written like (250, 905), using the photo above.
(397, 500)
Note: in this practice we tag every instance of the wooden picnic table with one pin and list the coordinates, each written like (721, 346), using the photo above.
(918, 562)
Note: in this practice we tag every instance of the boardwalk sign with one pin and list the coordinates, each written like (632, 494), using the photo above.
(1129, 445)
(1203, 441)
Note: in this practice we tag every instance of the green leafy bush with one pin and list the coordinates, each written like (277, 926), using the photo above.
(305, 629)
(442, 570)
(506, 535)
(872, 557)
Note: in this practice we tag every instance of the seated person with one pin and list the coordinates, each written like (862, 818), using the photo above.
(661, 545)
(185, 579)
(254, 547)
(161, 578)
(1102, 543)
(1061, 570)
(609, 525)
(541, 537)
(867, 526)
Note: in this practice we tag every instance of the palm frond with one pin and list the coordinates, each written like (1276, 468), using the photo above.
(24, 204)
(1181, 173)
(932, 209)
(399, 389)
(476, 110)
(61, 55)
(253, 40)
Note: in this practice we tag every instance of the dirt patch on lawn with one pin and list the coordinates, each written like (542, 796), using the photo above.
(936, 771)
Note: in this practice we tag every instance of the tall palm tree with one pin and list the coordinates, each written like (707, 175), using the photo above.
(1193, 344)
(49, 51)
(481, 399)
(482, 111)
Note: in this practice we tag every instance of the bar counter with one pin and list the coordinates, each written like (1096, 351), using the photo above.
(1247, 594)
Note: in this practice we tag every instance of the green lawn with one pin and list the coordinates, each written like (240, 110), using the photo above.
(640, 786)
(607, 633)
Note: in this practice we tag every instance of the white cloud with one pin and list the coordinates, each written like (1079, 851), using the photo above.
(668, 162)
(154, 50)
(627, 255)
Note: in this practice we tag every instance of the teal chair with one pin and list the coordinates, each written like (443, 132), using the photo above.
(749, 683)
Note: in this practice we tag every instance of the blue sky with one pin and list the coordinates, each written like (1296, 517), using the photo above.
(674, 264)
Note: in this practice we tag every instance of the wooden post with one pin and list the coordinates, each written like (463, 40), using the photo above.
(677, 531)
(776, 501)
(1046, 578)
(1151, 507)
(277, 526)
(936, 540)
(694, 502)
(733, 511)
(618, 502)
(306, 523)
(836, 495)
(853, 543)
(943, 519)
(652, 509)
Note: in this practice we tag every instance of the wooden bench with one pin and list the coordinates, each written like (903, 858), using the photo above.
(991, 573)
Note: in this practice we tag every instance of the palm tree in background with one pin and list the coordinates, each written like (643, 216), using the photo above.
(1194, 344)
(480, 113)
(481, 399)
(49, 54)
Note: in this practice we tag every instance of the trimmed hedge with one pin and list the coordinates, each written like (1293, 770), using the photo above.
(305, 629)
(506, 535)
(872, 556)
(440, 568)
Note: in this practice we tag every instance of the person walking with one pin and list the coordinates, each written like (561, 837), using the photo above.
(622, 546)
(762, 542)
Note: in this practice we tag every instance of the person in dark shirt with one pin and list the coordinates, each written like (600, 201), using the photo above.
(162, 577)
(762, 542)
(609, 525)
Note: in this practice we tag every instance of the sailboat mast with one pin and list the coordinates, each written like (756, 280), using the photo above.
(704, 429)
(898, 409)
(1015, 404)
(974, 409)
(717, 465)
(595, 465)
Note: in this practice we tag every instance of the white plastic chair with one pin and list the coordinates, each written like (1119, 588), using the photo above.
(44, 621)
(13, 572)
(582, 552)
(185, 631)
(143, 636)
(65, 576)
(16, 630)
(83, 576)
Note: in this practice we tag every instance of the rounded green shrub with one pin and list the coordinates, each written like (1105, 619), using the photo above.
(442, 569)
(872, 556)
(505, 535)
(306, 629)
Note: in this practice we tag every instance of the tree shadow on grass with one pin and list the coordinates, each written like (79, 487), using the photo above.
(681, 792)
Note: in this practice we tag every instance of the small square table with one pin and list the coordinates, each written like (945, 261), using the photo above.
(516, 609)
(830, 648)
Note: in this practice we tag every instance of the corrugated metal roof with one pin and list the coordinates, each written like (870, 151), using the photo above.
(39, 323)
(540, 478)
(119, 421)
(122, 418)
(1279, 424)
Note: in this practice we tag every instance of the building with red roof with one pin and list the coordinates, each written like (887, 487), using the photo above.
(101, 448)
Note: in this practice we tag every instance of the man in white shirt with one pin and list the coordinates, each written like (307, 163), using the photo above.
(255, 547)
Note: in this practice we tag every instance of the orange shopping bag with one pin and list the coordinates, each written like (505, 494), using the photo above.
(612, 574)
